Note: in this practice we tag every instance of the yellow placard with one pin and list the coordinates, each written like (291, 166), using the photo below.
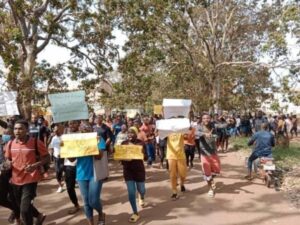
(128, 152)
(158, 109)
(78, 145)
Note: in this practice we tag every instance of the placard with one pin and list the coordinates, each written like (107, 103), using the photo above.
(8, 103)
(128, 152)
(78, 145)
(68, 106)
(158, 109)
(169, 126)
(176, 107)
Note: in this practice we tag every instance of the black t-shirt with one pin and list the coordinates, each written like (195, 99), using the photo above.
(37, 131)
(104, 131)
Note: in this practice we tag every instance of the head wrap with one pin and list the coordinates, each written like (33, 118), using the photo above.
(134, 129)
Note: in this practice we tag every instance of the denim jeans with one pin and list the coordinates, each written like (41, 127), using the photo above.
(132, 186)
(150, 153)
(255, 155)
(91, 191)
(59, 168)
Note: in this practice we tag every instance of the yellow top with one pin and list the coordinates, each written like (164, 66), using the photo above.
(175, 146)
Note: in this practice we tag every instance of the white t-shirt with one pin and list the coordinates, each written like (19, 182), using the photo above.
(55, 144)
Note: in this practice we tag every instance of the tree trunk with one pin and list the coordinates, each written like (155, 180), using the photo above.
(216, 94)
(26, 83)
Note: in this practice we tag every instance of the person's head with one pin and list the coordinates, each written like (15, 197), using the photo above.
(34, 118)
(259, 114)
(99, 119)
(146, 120)
(21, 129)
(8, 133)
(130, 122)
(123, 128)
(264, 126)
(74, 125)
(206, 119)
(58, 129)
(118, 118)
(132, 133)
(137, 123)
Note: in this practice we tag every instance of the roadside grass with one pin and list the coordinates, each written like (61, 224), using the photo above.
(285, 158)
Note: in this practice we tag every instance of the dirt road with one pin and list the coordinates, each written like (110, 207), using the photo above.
(237, 202)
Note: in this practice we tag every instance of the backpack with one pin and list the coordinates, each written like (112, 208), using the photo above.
(46, 166)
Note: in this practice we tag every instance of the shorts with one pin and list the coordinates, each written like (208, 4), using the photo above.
(211, 166)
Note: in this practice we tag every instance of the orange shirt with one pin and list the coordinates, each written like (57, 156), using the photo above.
(23, 154)
(189, 138)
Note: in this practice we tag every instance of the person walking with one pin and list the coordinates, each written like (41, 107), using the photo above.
(27, 155)
(134, 174)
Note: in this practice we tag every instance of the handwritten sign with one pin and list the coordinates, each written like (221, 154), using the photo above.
(68, 106)
(8, 103)
(78, 145)
(128, 152)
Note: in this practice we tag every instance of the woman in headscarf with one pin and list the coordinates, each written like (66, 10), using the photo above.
(134, 175)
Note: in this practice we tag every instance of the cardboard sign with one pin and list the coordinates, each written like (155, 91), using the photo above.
(169, 126)
(68, 106)
(176, 107)
(128, 152)
(158, 109)
(78, 145)
(8, 103)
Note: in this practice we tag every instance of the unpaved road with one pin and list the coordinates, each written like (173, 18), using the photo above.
(237, 202)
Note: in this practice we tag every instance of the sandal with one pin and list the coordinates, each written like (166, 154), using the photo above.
(101, 221)
(73, 211)
(211, 193)
(248, 177)
(41, 218)
(134, 218)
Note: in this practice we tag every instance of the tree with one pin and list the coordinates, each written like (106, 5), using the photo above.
(27, 27)
(208, 51)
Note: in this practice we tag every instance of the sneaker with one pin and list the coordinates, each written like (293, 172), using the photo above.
(211, 193)
(182, 188)
(60, 190)
(174, 196)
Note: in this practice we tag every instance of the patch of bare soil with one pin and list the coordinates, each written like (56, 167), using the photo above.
(291, 186)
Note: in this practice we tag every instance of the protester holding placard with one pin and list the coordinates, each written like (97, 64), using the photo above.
(90, 184)
(134, 175)
(147, 128)
(70, 171)
(177, 162)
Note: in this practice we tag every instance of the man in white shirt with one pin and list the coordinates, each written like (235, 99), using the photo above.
(54, 147)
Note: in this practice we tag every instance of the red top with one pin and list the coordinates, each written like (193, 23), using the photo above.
(23, 154)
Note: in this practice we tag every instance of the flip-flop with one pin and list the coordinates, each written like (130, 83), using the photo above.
(42, 219)
(134, 218)
(249, 177)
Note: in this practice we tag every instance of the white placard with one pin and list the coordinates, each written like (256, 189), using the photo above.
(8, 103)
(169, 126)
(176, 107)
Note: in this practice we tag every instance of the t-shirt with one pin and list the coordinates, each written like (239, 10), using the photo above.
(207, 144)
(23, 154)
(175, 146)
(120, 138)
(36, 131)
(85, 168)
(190, 137)
(55, 144)
(117, 127)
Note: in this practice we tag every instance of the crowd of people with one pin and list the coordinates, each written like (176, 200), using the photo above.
(28, 148)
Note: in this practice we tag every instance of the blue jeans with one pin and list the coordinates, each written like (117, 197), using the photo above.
(255, 155)
(131, 188)
(90, 191)
(150, 153)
